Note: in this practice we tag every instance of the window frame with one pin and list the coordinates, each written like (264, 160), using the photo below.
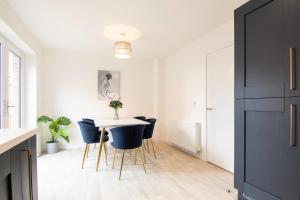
(6, 47)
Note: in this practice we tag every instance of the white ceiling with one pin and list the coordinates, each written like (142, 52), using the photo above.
(78, 25)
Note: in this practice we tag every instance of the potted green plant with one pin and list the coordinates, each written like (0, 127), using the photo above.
(57, 130)
(116, 104)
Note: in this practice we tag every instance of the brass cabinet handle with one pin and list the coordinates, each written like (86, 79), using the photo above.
(292, 125)
(292, 69)
(29, 155)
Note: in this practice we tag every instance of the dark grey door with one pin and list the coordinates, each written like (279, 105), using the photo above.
(259, 50)
(269, 148)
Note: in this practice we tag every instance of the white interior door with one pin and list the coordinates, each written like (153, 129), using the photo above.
(220, 108)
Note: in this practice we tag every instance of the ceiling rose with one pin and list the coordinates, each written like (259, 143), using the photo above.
(120, 32)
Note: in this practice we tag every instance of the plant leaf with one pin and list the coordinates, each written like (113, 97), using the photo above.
(64, 134)
(63, 121)
(55, 134)
(44, 119)
(115, 104)
(54, 125)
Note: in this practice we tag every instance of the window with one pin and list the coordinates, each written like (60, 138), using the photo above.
(11, 85)
(14, 90)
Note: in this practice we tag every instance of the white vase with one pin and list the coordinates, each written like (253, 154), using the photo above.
(116, 117)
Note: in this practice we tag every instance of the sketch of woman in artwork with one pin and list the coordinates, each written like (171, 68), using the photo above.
(108, 88)
(105, 85)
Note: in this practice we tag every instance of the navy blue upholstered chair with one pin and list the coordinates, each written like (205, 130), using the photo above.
(91, 135)
(140, 118)
(148, 133)
(91, 122)
(128, 138)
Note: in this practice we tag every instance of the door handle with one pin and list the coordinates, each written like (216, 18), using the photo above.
(5, 108)
(292, 125)
(29, 160)
(292, 69)
(209, 109)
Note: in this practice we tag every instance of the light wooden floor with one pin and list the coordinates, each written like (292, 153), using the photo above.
(175, 175)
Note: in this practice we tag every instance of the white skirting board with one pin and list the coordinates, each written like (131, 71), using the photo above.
(186, 135)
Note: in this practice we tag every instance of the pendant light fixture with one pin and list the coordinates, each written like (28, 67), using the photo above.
(123, 35)
(122, 50)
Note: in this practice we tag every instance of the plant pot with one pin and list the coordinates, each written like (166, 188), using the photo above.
(52, 147)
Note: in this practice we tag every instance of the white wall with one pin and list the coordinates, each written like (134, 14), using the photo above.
(159, 99)
(70, 88)
(185, 79)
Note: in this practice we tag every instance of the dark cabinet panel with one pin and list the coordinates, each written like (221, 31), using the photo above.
(263, 141)
(28, 170)
(268, 148)
(5, 181)
(291, 151)
(292, 48)
(264, 58)
(260, 64)
(32, 145)
(5, 165)
(18, 173)
(5, 190)
(239, 119)
(258, 138)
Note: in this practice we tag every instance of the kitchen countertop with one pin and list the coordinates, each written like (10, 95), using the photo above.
(11, 137)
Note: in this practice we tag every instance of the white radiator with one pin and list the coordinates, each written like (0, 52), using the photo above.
(186, 135)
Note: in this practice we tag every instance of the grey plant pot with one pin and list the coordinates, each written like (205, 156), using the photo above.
(52, 147)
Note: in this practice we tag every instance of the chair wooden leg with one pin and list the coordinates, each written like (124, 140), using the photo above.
(121, 165)
(142, 160)
(87, 151)
(105, 152)
(148, 146)
(144, 155)
(153, 148)
(144, 146)
(113, 164)
(135, 156)
(100, 148)
(84, 155)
